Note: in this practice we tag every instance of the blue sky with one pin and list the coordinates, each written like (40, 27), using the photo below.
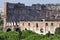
(29, 2)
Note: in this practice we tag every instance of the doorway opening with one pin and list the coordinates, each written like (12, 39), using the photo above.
(8, 29)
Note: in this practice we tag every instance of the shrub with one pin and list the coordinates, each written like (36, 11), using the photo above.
(12, 35)
(27, 33)
(57, 30)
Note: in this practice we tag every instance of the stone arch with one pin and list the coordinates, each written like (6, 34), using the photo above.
(8, 29)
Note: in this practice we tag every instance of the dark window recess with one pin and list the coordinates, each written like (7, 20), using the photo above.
(51, 24)
(46, 24)
(23, 24)
(37, 25)
(8, 29)
(17, 29)
(41, 20)
(25, 28)
(28, 24)
(41, 30)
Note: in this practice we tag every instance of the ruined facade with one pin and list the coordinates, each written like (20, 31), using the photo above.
(17, 13)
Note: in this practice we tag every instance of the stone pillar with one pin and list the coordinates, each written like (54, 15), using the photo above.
(12, 26)
(44, 29)
(5, 11)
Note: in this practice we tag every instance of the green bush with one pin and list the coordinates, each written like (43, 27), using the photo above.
(1, 22)
(57, 30)
(8, 35)
(27, 35)
(12, 35)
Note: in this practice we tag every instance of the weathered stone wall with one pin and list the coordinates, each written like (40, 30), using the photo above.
(16, 13)
(42, 25)
(36, 12)
(32, 25)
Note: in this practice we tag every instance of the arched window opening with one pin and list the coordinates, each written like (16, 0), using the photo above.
(51, 24)
(36, 25)
(17, 29)
(41, 30)
(28, 24)
(23, 24)
(46, 24)
(8, 29)
(25, 28)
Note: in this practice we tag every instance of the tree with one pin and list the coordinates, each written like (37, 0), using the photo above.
(57, 30)
(20, 34)
(48, 34)
(1, 21)
(1, 24)
(11, 35)
(2, 35)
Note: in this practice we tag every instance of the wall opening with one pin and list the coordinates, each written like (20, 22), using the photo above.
(28, 24)
(51, 24)
(8, 29)
(17, 29)
(41, 30)
(46, 24)
(36, 25)
(25, 28)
